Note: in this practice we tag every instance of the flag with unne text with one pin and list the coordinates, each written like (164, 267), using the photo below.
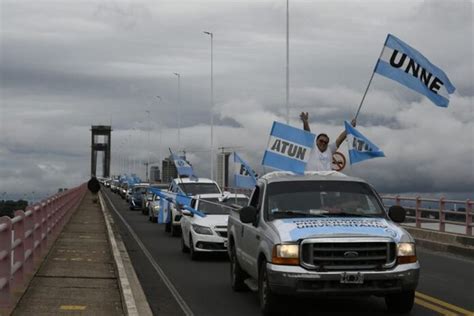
(406, 65)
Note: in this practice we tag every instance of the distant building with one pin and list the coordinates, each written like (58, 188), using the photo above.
(223, 169)
(155, 174)
(169, 170)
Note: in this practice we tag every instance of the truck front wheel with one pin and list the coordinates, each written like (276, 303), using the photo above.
(237, 275)
(400, 302)
(269, 304)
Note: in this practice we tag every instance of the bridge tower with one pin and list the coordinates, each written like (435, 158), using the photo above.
(100, 133)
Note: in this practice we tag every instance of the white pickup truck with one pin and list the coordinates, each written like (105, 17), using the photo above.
(322, 233)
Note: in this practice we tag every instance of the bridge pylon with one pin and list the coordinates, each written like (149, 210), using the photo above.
(99, 143)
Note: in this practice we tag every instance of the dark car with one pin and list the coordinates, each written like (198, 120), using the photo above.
(135, 201)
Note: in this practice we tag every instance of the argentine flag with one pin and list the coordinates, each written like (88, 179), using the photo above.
(288, 148)
(182, 166)
(244, 176)
(360, 148)
(404, 64)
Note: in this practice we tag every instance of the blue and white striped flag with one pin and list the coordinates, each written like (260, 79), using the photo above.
(404, 64)
(360, 148)
(244, 175)
(182, 166)
(289, 148)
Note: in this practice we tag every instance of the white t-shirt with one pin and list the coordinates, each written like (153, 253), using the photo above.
(319, 161)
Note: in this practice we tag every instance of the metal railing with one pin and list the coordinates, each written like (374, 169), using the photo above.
(26, 238)
(439, 211)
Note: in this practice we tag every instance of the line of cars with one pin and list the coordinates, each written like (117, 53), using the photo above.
(317, 234)
(199, 234)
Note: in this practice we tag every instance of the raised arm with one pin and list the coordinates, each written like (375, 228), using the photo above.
(304, 118)
(343, 135)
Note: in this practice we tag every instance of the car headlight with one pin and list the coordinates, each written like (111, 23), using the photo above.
(288, 254)
(203, 230)
(406, 253)
(157, 207)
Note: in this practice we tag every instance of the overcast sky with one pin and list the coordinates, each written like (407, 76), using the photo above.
(67, 65)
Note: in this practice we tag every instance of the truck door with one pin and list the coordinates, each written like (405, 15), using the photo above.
(250, 235)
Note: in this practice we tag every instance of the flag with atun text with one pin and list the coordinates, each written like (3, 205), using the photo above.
(406, 65)
(360, 147)
(244, 175)
(288, 148)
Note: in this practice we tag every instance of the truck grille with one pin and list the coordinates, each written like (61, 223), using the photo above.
(337, 256)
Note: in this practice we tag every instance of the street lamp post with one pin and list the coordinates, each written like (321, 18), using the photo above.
(212, 103)
(148, 146)
(179, 109)
(287, 62)
(160, 145)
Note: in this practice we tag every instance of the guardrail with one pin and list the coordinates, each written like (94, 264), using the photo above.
(26, 238)
(425, 210)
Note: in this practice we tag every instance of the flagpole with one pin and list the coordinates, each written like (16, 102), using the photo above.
(370, 81)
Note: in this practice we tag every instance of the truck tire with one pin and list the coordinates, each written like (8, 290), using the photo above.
(237, 275)
(193, 253)
(269, 304)
(400, 302)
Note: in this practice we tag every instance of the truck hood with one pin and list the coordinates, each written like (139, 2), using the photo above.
(300, 228)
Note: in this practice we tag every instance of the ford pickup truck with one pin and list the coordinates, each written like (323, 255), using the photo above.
(321, 234)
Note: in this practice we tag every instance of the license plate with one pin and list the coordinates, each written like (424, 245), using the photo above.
(225, 244)
(352, 278)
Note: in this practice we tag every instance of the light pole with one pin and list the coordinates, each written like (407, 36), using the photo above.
(179, 109)
(287, 62)
(160, 145)
(212, 103)
(148, 146)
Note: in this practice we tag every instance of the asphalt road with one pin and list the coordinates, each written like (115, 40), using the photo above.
(203, 287)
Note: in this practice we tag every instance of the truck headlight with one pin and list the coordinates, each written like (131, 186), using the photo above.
(288, 254)
(203, 230)
(406, 253)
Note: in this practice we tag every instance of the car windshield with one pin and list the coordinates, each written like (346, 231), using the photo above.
(199, 188)
(236, 201)
(321, 199)
(140, 190)
(212, 206)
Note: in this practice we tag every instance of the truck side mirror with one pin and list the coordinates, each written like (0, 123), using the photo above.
(397, 213)
(248, 214)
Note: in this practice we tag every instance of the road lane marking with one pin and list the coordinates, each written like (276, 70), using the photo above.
(444, 304)
(73, 307)
(435, 308)
(179, 299)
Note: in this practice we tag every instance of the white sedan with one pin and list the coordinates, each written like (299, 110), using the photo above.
(208, 233)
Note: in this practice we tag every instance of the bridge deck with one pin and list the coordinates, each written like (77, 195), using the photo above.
(78, 274)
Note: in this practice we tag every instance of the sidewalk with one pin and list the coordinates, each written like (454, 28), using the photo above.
(78, 275)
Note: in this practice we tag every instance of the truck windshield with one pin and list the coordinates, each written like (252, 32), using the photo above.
(217, 207)
(321, 199)
(199, 188)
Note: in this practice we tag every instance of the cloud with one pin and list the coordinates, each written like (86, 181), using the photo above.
(66, 67)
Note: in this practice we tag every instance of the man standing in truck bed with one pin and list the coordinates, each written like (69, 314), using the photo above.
(321, 154)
